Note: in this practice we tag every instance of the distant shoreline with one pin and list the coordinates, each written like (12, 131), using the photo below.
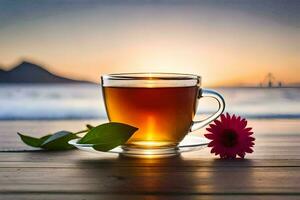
(93, 83)
(255, 117)
(253, 87)
(48, 84)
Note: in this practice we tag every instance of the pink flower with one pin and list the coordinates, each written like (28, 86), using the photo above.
(230, 137)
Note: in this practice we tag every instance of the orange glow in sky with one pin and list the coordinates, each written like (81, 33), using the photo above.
(227, 46)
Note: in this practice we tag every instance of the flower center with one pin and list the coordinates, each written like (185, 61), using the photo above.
(229, 138)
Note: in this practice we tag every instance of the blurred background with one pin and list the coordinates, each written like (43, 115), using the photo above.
(52, 53)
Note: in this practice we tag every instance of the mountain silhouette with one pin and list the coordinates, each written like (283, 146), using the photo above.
(27, 72)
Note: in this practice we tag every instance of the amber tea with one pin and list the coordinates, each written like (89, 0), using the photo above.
(161, 105)
(163, 115)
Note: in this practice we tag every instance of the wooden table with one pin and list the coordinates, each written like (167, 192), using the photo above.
(271, 172)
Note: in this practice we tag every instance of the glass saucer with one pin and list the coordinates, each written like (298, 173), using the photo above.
(189, 143)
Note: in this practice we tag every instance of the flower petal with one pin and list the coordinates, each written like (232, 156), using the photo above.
(242, 154)
(233, 118)
(210, 136)
(248, 129)
(213, 126)
(223, 118)
(218, 123)
(243, 123)
(228, 116)
(211, 144)
(209, 130)
(213, 150)
(249, 150)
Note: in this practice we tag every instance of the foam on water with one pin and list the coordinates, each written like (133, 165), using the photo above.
(84, 101)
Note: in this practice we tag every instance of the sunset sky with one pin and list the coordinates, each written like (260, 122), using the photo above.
(227, 42)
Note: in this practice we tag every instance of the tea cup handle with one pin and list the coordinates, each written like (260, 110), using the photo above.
(209, 93)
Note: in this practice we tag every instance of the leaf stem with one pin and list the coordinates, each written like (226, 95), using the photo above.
(83, 131)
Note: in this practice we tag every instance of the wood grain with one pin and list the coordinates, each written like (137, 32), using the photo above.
(272, 172)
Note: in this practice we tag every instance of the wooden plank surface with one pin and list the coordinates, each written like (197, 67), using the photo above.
(80, 196)
(271, 172)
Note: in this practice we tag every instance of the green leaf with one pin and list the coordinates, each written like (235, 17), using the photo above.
(108, 136)
(103, 137)
(32, 141)
(59, 141)
(44, 138)
(108, 146)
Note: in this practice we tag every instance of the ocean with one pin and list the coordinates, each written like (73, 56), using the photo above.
(84, 101)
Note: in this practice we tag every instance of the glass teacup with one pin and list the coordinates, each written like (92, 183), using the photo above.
(161, 105)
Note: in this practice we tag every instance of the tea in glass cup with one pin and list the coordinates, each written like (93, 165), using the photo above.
(161, 105)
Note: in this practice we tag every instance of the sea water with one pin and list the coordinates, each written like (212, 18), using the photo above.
(84, 101)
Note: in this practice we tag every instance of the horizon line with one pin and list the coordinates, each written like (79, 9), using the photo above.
(240, 85)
